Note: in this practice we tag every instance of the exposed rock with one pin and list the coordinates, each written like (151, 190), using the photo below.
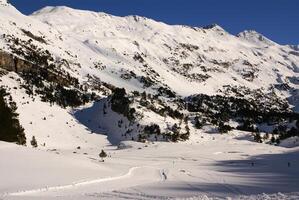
(13, 63)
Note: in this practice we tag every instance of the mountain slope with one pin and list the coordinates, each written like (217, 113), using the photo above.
(69, 57)
(158, 99)
(183, 53)
(202, 60)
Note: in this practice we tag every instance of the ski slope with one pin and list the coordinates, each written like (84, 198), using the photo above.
(214, 166)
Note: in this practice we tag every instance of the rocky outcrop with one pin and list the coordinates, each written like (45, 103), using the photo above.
(7, 61)
(13, 63)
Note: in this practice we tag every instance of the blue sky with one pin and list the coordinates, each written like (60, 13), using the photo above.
(276, 19)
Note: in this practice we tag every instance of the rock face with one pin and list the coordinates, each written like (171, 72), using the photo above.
(7, 61)
(12, 63)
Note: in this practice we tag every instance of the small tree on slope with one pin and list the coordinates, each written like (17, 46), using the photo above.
(33, 142)
(103, 155)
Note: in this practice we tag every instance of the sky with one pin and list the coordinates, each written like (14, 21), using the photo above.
(276, 19)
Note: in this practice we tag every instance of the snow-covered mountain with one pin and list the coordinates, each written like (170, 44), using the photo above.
(156, 98)
(295, 47)
(201, 59)
(69, 57)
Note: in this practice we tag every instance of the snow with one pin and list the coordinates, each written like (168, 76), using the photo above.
(216, 168)
(53, 126)
(109, 38)
(208, 166)
(295, 47)
(255, 37)
(66, 164)
(290, 142)
(24, 168)
(3, 1)
(91, 37)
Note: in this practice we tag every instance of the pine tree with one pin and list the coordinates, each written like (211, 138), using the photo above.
(33, 142)
(10, 128)
(258, 138)
(198, 124)
(273, 139)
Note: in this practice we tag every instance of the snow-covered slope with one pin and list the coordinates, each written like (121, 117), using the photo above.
(62, 67)
(140, 54)
(3, 1)
(257, 38)
(202, 60)
(176, 53)
(295, 47)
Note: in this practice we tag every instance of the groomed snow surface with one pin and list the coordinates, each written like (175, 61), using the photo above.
(206, 167)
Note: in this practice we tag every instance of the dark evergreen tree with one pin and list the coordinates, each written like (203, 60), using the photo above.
(103, 155)
(224, 128)
(273, 140)
(33, 142)
(152, 129)
(10, 128)
(258, 138)
(198, 123)
(120, 103)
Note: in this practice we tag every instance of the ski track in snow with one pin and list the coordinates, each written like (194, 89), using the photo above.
(84, 183)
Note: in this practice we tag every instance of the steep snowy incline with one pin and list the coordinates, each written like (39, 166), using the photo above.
(141, 54)
(202, 60)
(53, 127)
(97, 52)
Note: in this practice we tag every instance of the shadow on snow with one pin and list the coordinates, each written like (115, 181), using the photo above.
(90, 118)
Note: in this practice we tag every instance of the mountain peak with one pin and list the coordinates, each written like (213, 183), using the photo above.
(214, 27)
(137, 18)
(66, 12)
(255, 37)
(52, 9)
